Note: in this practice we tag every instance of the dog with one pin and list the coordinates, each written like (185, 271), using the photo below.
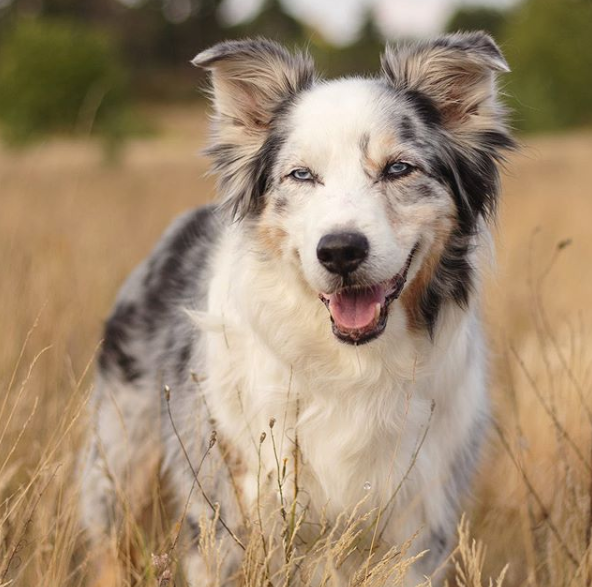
(329, 299)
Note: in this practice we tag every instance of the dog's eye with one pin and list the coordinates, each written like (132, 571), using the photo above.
(302, 174)
(397, 169)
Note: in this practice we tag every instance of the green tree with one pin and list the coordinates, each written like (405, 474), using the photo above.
(59, 76)
(481, 18)
(549, 48)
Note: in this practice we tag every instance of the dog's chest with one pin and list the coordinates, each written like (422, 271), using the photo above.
(335, 441)
(358, 449)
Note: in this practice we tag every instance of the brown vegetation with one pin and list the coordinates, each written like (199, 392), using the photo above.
(72, 227)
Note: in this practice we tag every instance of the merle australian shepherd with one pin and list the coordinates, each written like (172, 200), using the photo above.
(332, 293)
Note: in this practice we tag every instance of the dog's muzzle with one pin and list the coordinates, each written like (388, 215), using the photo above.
(359, 314)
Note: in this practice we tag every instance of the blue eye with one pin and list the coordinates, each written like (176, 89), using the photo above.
(397, 169)
(302, 174)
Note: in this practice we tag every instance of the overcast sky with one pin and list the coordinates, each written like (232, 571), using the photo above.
(340, 20)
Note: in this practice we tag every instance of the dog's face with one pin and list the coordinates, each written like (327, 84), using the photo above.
(354, 202)
(360, 185)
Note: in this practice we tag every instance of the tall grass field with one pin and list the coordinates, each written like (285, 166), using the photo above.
(73, 225)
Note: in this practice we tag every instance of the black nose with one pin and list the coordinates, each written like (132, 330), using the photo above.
(343, 252)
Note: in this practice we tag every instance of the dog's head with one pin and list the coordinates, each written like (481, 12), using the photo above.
(371, 189)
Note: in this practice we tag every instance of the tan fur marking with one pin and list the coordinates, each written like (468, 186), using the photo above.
(378, 153)
(412, 295)
(271, 237)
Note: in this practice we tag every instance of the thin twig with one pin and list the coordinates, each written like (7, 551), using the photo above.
(409, 469)
(26, 525)
(194, 472)
(277, 464)
(550, 412)
(296, 456)
(224, 452)
(545, 512)
(261, 439)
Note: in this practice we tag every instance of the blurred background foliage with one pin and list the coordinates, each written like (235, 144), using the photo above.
(549, 47)
(59, 75)
(79, 66)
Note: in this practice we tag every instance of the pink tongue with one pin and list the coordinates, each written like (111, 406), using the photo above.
(356, 308)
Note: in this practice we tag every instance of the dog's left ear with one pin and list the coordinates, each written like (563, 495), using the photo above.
(252, 81)
(452, 82)
(456, 72)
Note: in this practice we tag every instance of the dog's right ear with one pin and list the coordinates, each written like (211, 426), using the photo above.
(252, 78)
(252, 81)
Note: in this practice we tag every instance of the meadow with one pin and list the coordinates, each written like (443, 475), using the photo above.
(72, 226)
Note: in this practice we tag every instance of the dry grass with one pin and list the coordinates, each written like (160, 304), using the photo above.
(72, 227)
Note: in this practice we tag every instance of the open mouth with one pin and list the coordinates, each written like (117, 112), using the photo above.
(359, 314)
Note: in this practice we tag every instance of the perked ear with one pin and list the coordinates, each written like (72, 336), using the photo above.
(252, 80)
(457, 72)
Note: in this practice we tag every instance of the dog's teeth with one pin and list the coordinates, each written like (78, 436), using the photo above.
(377, 309)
